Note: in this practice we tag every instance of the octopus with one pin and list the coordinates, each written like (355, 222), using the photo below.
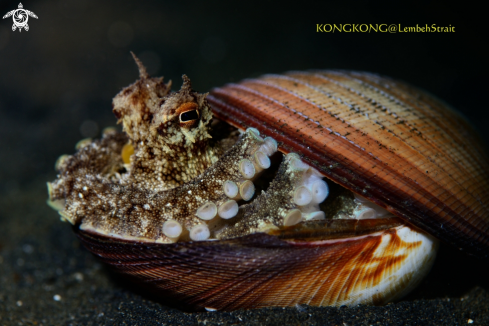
(166, 179)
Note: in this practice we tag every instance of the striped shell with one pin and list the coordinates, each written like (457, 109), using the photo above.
(392, 143)
(386, 141)
(381, 261)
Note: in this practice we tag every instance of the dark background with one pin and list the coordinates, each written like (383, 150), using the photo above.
(56, 85)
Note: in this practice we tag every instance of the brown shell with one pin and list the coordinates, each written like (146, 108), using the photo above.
(263, 270)
(387, 141)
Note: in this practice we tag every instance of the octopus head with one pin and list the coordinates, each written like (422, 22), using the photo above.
(153, 116)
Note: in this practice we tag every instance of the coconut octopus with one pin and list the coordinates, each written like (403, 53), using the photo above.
(178, 182)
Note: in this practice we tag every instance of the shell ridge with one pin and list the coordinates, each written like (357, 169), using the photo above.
(390, 86)
(242, 285)
(468, 217)
(364, 275)
(258, 94)
(436, 116)
(455, 179)
(447, 212)
(171, 256)
(364, 261)
(297, 81)
(443, 129)
(291, 150)
(461, 178)
(341, 276)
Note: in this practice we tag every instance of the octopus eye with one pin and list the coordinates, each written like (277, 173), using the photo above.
(189, 114)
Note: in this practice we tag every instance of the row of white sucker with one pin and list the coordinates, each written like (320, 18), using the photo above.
(307, 195)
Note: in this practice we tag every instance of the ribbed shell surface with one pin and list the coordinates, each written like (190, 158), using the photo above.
(385, 140)
(259, 270)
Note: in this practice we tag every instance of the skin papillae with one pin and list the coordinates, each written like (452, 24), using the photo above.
(174, 172)
(145, 201)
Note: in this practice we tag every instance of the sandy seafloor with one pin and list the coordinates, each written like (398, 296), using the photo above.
(47, 279)
(56, 84)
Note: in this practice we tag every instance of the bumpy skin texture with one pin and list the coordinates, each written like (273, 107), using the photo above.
(118, 207)
(167, 153)
(174, 174)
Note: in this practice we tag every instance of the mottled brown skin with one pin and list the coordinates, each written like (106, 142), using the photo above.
(168, 152)
(173, 171)
(117, 207)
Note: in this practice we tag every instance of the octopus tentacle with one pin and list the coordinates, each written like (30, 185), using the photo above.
(103, 201)
(164, 181)
(293, 196)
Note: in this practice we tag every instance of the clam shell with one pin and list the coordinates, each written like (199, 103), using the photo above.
(355, 262)
(387, 141)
